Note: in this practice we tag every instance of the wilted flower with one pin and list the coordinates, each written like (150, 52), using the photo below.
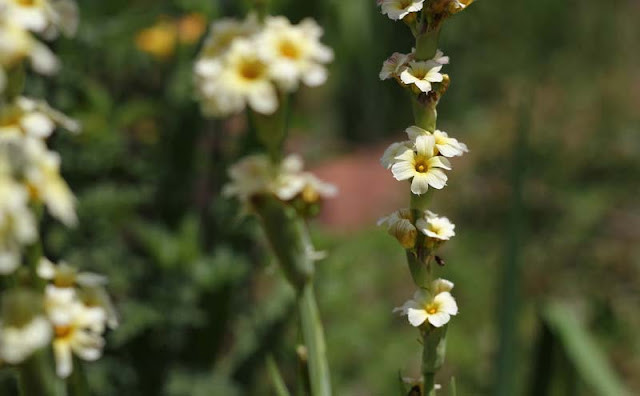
(398, 9)
(400, 225)
(422, 74)
(393, 66)
(422, 166)
(435, 306)
(445, 145)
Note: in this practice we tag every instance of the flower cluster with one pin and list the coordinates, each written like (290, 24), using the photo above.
(72, 316)
(256, 174)
(434, 305)
(404, 227)
(250, 63)
(423, 158)
(405, 9)
(42, 303)
(416, 75)
(19, 21)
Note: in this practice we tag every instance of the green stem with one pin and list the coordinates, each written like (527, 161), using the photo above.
(36, 377)
(314, 339)
(278, 382)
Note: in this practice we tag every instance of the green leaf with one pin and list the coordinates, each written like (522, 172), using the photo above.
(582, 351)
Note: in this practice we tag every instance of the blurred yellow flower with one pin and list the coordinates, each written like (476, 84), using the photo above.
(191, 27)
(158, 40)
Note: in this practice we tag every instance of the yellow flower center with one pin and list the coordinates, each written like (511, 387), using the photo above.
(26, 3)
(289, 50)
(431, 308)
(252, 70)
(62, 331)
(421, 165)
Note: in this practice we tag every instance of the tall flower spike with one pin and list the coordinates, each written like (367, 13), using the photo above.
(422, 166)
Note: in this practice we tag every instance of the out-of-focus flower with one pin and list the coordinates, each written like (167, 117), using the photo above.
(18, 342)
(399, 224)
(294, 53)
(63, 275)
(43, 16)
(77, 329)
(445, 145)
(158, 40)
(422, 74)
(436, 308)
(32, 118)
(398, 9)
(224, 31)
(42, 175)
(17, 223)
(256, 174)
(191, 27)
(436, 227)
(17, 44)
(421, 165)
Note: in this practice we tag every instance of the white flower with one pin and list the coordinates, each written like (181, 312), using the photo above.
(223, 32)
(436, 227)
(17, 223)
(421, 165)
(63, 275)
(245, 79)
(17, 44)
(392, 152)
(256, 174)
(441, 285)
(33, 118)
(77, 328)
(398, 9)
(425, 306)
(17, 343)
(43, 177)
(294, 53)
(445, 145)
(43, 16)
(440, 58)
(399, 224)
(422, 74)
(393, 66)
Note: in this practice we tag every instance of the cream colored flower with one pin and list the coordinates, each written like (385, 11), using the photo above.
(422, 74)
(245, 79)
(224, 31)
(440, 58)
(77, 330)
(422, 166)
(398, 9)
(17, 223)
(42, 174)
(445, 145)
(441, 285)
(399, 224)
(436, 227)
(315, 189)
(32, 118)
(43, 16)
(459, 5)
(17, 343)
(426, 306)
(16, 44)
(393, 66)
(250, 176)
(294, 52)
(392, 152)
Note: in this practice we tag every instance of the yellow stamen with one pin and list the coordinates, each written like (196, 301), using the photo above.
(62, 331)
(252, 70)
(289, 50)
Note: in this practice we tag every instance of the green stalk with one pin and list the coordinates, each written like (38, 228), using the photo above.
(36, 377)
(314, 339)
(278, 382)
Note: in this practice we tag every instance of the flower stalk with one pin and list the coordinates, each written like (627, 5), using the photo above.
(422, 160)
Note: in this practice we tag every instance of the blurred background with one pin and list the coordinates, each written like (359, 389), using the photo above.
(546, 259)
